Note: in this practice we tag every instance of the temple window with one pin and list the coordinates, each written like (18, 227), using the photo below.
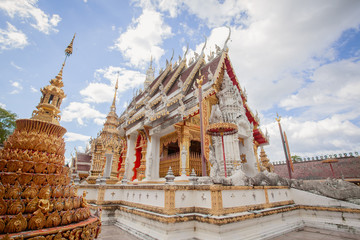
(51, 98)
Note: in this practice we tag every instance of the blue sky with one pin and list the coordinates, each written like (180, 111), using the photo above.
(298, 58)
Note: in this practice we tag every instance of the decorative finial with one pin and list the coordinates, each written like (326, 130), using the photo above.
(278, 119)
(202, 50)
(116, 88)
(226, 48)
(48, 109)
(187, 49)
(200, 80)
(172, 56)
(69, 49)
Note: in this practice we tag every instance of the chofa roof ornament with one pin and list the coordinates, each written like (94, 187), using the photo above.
(226, 48)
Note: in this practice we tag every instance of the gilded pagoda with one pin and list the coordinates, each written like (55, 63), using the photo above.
(37, 199)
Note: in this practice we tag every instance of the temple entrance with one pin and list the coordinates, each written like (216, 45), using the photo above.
(170, 158)
(195, 157)
(108, 164)
(137, 162)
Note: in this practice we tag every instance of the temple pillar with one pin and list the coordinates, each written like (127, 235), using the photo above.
(142, 168)
(130, 156)
(152, 158)
(256, 145)
(186, 138)
(123, 158)
(113, 175)
(96, 167)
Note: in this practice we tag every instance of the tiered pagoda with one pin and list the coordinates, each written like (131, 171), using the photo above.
(105, 149)
(37, 199)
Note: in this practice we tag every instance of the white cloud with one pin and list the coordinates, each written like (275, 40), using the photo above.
(310, 138)
(12, 38)
(334, 88)
(80, 112)
(285, 54)
(17, 87)
(3, 105)
(27, 9)
(213, 12)
(55, 19)
(34, 90)
(273, 52)
(72, 137)
(99, 121)
(143, 38)
(99, 92)
(16, 66)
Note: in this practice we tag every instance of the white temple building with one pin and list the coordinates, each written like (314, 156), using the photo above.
(158, 173)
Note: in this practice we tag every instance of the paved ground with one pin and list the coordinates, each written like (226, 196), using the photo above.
(316, 234)
(113, 232)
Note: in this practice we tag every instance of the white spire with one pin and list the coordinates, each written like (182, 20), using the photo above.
(149, 75)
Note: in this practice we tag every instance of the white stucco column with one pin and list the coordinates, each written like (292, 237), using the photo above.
(130, 157)
(152, 158)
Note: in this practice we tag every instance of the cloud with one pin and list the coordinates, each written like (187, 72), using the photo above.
(310, 138)
(333, 88)
(274, 52)
(80, 112)
(34, 90)
(143, 38)
(3, 105)
(72, 137)
(99, 92)
(213, 12)
(27, 9)
(12, 38)
(286, 55)
(16, 66)
(18, 87)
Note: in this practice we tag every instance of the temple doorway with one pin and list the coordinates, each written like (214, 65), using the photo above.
(170, 158)
(108, 164)
(137, 162)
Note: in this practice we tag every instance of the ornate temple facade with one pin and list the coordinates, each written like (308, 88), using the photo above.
(181, 162)
(106, 149)
(164, 118)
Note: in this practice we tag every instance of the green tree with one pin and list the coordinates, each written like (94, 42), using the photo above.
(295, 158)
(7, 123)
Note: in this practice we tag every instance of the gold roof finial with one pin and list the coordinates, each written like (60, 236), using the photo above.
(69, 49)
(200, 79)
(48, 109)
(278, 119)
(116, 88)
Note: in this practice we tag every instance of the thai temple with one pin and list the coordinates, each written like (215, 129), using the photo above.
(182, 162)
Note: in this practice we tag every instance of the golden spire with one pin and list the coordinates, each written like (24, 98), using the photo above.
(48, 109)
(116, 88)
(278, 119)
(69, 49)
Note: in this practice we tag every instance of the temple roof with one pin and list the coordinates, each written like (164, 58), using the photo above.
(174, 84)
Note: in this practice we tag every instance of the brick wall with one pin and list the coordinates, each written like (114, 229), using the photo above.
(347, 167)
